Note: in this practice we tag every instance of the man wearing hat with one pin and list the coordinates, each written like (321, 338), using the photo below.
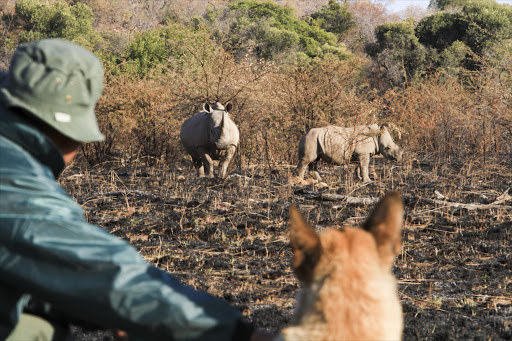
(55, 268)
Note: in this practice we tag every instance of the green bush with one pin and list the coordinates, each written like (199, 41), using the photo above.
(267, 30)
(42, 19)
(452, 58)
(478, 24)
(441, 29)
(170, 48)
(398, 51)
(334, 17)
(147, 51)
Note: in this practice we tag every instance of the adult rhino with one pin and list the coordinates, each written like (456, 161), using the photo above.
(339, 145)
(210, 135)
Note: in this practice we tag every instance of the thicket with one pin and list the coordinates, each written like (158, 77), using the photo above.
(448, 101)
(453, 40)
(37, 20)
(267, 30)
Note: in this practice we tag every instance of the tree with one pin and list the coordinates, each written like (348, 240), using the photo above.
(398, 51)
(334, 18)
(478, 24)
(270, 31)
(367, 16)
(41, 19)
(441, 29)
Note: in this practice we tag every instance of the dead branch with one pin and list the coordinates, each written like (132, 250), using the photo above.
(498, 203)
(136, 192)
(150, 196)
(336, 197)
(470, 207)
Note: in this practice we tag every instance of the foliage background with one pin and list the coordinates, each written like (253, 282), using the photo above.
(442, 80)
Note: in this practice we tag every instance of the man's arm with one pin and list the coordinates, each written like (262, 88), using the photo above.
(50, 252)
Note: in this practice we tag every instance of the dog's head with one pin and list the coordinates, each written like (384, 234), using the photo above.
(348, 288)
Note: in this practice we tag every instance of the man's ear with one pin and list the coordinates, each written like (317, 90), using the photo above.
(305, 245)
(385, 224)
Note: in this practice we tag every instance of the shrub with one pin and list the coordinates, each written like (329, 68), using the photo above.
(454, 122)
(398, 51)
(171, 48)
(41, 19)
(334, 17)
(267, 30)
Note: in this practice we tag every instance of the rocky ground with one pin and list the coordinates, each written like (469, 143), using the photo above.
(230, 238)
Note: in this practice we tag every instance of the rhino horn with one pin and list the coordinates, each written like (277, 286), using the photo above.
(223, 140)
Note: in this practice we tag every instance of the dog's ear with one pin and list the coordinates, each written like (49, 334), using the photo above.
(305, 245)
(385, 224)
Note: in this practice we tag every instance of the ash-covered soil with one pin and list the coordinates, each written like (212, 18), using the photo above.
(230, 238)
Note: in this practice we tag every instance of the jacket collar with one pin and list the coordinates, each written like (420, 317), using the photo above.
(17, 129)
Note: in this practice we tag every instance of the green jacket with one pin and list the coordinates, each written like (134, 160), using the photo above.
(55, 263)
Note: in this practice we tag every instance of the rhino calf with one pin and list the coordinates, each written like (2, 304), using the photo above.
(339, 145)
(210, 135)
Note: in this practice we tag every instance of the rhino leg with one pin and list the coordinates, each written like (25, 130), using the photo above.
(301, 169)
(198, 164)
(362, 169)
(224, 163)
(207, 164)
(313, 169)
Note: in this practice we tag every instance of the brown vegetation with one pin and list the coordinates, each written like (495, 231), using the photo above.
(231, 238)
(440, 118)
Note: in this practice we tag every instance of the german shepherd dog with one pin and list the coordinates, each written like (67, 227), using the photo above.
(348, 290)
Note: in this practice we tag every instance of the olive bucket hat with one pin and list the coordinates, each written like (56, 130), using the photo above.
(58, 82)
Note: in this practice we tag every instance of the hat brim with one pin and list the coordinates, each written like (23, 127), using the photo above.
(78, 128)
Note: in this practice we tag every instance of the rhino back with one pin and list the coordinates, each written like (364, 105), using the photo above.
(339, 142)
(365, 139)
(345, 143)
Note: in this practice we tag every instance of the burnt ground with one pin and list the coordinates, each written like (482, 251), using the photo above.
(230, 238)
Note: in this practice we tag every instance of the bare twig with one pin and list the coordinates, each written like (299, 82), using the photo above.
(408, 199)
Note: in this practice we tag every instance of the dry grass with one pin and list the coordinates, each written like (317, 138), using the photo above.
(230, 238)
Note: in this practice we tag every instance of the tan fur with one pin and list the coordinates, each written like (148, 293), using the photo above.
(349, 292)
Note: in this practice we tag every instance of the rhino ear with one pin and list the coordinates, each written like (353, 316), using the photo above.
(305, 245)
(229, 106)
(207, 108)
